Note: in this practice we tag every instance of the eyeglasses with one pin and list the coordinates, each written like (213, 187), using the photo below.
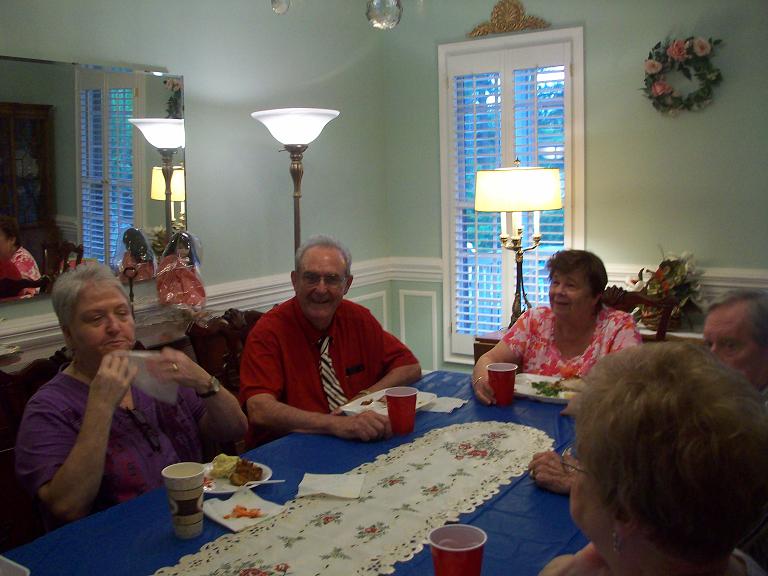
(149, 433)
(569, 467)
(331, 280)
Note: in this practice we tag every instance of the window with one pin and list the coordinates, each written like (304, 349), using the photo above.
(106, 160)
(501, 99)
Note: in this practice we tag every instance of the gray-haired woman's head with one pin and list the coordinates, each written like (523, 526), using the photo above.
(70, 284)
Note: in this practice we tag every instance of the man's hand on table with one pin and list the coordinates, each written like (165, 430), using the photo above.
(365, 426)
(547, 472)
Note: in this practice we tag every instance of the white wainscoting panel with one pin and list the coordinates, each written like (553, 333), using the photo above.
(373, 296)
(405, 322)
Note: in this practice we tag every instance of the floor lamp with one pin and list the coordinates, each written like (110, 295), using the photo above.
(295, 128)
(178, 191)
(518, 190)
(167, 135)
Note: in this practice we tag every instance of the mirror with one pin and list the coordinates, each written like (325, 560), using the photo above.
(72, 169)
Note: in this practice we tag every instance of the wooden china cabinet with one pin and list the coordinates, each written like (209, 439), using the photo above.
(26, 158)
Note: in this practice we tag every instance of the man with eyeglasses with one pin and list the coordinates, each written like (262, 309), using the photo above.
(736, 331)
(310, 355)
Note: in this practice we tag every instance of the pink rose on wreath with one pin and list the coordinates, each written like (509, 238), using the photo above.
(652, 66)
(660, 88)
(701, 47)
(282, 567)
(676, 51)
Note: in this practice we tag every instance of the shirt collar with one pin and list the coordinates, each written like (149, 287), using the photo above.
(310, 332)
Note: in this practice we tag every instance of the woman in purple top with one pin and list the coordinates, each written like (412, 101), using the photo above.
(89, 439)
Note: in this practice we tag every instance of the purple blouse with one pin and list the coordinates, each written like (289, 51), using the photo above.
(138, 447)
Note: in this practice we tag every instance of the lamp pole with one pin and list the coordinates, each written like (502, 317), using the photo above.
(297, 171)
(167, 155)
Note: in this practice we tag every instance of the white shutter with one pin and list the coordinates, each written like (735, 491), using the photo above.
(498, 105)
(106, 160)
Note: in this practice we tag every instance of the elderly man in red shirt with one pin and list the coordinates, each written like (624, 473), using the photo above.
(310, 355)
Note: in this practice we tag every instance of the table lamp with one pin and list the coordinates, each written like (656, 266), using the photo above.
(518, 190)
(295, 128)
(167, 135)
(178, 188)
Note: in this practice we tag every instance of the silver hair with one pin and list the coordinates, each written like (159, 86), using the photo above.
(757, 303)
(326, 242)
(67, 288)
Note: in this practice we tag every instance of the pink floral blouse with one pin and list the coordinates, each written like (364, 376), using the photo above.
(27, 267)
(532, 338)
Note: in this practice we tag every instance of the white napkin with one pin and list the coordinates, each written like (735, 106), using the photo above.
(146, 379)
(216, 509)
(444, 404)
(339, 485)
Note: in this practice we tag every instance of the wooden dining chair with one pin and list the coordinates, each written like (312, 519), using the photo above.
(621, 299)
(20, 521)
(218, 345)
(60, 256)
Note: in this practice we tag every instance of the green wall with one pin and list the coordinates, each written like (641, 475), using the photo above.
(687, 183)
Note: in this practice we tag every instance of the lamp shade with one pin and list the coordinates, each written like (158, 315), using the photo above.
(157, 191)
(517, 190)
(295, 125)
(161, 132)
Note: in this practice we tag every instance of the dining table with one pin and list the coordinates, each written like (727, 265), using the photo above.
(526, 525)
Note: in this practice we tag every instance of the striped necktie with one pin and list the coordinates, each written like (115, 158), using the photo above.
(331, 385)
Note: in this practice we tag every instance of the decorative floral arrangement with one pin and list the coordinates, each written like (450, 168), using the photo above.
(675, 276)
(173, 108)
(691, 57)
(159, 240)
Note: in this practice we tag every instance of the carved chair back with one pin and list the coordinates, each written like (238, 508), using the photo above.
(620, 299)
(20, 522)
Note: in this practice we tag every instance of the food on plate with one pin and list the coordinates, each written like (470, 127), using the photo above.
(223, 465)
(564, 388)
(242, 512)
(381, 399)
(575, 384)
(245, 471)
(546, 388)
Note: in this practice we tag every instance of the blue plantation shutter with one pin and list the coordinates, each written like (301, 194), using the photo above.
(106, 164)
(540, 141)
(477, 264)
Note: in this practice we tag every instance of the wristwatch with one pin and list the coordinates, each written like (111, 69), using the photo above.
(213, 387)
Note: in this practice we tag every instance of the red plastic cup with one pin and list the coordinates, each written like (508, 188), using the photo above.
(457, 550)
(401, 408)
(501, 378)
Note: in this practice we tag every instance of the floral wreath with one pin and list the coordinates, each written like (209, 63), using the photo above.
(691, 57)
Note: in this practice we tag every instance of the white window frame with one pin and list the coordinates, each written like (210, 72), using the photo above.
(458, 348)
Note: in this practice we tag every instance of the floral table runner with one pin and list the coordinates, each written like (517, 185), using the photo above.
(407, 491)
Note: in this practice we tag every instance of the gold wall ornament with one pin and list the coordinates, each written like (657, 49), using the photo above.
(508, 16)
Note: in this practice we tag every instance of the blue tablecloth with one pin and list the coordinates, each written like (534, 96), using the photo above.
(526, 526)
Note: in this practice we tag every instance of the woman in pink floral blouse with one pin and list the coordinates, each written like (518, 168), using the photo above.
(567, 338)
(16, 263)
